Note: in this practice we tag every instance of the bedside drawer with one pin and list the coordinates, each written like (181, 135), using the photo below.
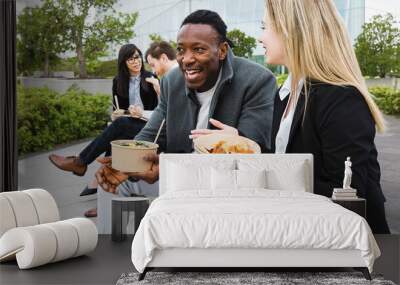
(358, 205)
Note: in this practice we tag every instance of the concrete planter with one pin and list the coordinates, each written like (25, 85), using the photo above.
(61, 85)
(105, 85)
(386, 82)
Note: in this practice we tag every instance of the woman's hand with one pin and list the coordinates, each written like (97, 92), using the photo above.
(223, 129)
(156, 84)
(135, 111)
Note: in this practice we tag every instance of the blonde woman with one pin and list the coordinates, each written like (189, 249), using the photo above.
(324, 107)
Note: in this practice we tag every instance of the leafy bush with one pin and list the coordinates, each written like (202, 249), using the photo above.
(280, 79)
(67, 64)
(47, 118)
(104, 69)
(95, 68)
(388, 99)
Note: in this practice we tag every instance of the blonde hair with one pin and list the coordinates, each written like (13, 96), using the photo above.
(317, 45)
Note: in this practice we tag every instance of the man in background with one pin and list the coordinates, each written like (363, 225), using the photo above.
(161, 57)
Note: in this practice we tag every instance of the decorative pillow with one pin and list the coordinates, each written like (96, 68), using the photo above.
(223, 179)
(182, 177)
(283, 174)
(293, 179)
(251, 178)
(189, 175)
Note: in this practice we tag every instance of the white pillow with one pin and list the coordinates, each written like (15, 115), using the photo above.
(251, 178)
(182, 177)
(223, 179)
(189, 175)
(284, 174)
(293, 179)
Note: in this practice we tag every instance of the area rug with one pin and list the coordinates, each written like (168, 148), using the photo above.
(244, 278)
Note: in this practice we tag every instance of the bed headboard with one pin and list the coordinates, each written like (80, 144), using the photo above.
(271, 160)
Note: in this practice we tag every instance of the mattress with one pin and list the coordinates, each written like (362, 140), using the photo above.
(251, 219)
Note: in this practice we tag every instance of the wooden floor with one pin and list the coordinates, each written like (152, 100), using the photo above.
(110, 259)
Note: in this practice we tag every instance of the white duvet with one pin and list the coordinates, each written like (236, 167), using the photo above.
(254, 218)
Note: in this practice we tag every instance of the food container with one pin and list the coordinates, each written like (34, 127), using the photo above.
(128, 155)
(206, 143)
(119, 113)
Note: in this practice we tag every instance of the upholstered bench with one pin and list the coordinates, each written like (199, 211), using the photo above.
(31, 232)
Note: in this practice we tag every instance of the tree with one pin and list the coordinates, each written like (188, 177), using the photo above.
(39, 39)
(157, 38)
(90, 37)
(243, 44)
(378, 46)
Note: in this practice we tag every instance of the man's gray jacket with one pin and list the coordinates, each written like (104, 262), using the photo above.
(243, 99)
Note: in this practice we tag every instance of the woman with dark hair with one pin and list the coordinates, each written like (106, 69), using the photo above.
(130, 85)
(134, 93)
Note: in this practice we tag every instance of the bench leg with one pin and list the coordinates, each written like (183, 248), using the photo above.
(364, 271)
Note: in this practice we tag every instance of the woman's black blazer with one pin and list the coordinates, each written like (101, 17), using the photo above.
(336, 124)
(147, 93)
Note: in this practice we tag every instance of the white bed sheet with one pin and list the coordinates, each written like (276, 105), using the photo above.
(251, 218)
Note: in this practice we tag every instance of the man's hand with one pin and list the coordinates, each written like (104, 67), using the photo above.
(223, 129)
(109, 178)
(156, 84)
(135, 111)
(150, 176)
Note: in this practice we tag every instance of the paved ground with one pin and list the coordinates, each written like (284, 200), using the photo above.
(388, 145)
(37, 171)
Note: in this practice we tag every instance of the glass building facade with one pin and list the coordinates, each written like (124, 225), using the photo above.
(164, 17)
(353, 14)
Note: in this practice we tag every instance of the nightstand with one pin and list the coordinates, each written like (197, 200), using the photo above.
(357, 205)
(127, 212)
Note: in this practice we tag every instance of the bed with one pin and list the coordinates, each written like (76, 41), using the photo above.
(247, 211)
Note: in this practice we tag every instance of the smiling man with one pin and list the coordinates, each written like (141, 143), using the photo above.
(210, 83)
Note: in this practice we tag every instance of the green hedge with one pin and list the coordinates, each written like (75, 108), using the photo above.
(97, 69)
(281, 78)
(47, 118)
(388, 99)
(104, 69)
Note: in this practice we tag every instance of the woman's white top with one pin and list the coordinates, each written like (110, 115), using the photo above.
(282, 136)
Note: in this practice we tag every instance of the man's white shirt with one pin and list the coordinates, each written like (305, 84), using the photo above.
(205, 99)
